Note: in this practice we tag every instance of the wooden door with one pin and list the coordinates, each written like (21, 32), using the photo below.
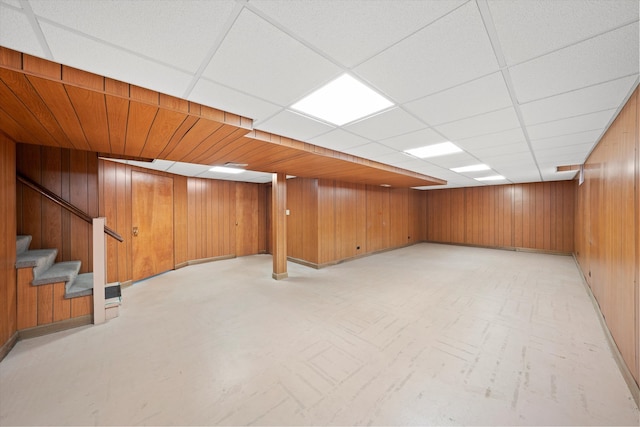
(152, 224)
(246, 219)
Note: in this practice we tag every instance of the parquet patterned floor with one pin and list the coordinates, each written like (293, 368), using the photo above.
(424, 335)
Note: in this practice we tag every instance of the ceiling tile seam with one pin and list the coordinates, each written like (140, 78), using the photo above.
(553, 137)
(580, 88)
(492, 33)
(439, 91)
(273, 22)
(215, 46)
(613, 117)
(572, 133)
(437, 132)
(473, 116)
(35, 25)
(409, 35)
(570, 117)
(111, 45)
(533, 58)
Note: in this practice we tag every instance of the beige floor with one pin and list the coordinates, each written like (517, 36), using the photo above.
(430, 334)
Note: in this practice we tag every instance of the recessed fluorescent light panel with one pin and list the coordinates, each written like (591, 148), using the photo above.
(223, 169)
(342, 101)
(472, 168)
(490, 178)
(434, 150)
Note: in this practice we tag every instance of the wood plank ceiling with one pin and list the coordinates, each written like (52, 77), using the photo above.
(47, 103)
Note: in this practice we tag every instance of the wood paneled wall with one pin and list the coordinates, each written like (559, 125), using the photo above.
(8, 326)
(212, 218)
(607, 230)
(533, 216)
(72, 175)
(332, 221)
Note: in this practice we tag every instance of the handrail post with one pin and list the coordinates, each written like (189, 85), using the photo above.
(99, 270)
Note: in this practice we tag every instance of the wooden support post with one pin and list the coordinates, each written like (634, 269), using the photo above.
(99, 270)
(279, 225)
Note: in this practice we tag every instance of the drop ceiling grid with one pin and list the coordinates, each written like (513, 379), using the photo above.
(569, 62)
(16, 30)
(151, 29)
(327, 24)
(257, 57)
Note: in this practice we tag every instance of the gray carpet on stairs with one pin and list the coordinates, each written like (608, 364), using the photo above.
(22, 243)
(39, 259)
(60, 272)
(83, 285)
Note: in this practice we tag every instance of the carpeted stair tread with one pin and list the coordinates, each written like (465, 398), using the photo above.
(60, 272)
(22, 243)
(83, 285)
(39, 259)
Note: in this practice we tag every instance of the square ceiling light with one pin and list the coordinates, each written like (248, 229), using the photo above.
(434, 150)
(342, 101)
(471, 168)
(225, 169)
(490, 178)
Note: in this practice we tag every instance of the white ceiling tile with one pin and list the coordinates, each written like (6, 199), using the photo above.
(16, 32)
(453, 160)
(606, 57)
(157, 164)
(369, 151)
(582, 101)
(577, 124)
(480, 96)
(491, 140)
(294, 125)
(257, 58)
(386, 125)
(550, 174)
(396, 158)
(217, 96)
(451, 51)
(14, 3)
(534, 27)
(330, 26)
(480, 125)
(517, 160)
(188, 169)
(514, 147)
(589, 137)
(95, 57)
(580, 151)
(339, 140)
(247, 176)
(414, 140)
(174, 32)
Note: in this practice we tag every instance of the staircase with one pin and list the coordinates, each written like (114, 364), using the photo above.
(51, 292)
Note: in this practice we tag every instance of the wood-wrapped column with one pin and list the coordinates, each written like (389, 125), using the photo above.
(279, 225)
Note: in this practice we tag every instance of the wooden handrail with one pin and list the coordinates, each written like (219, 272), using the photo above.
(63, 203)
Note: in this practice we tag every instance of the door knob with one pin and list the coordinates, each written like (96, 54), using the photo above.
(135, 231)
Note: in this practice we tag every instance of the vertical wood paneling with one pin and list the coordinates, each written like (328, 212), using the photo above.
(180, 215)
(8, 224)
(346, 220)
(27, 299)
(326, 221)
(606, 232)
(532, 216)
(45, 304)
(375, 219)
(362, 245)
(61, 306)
